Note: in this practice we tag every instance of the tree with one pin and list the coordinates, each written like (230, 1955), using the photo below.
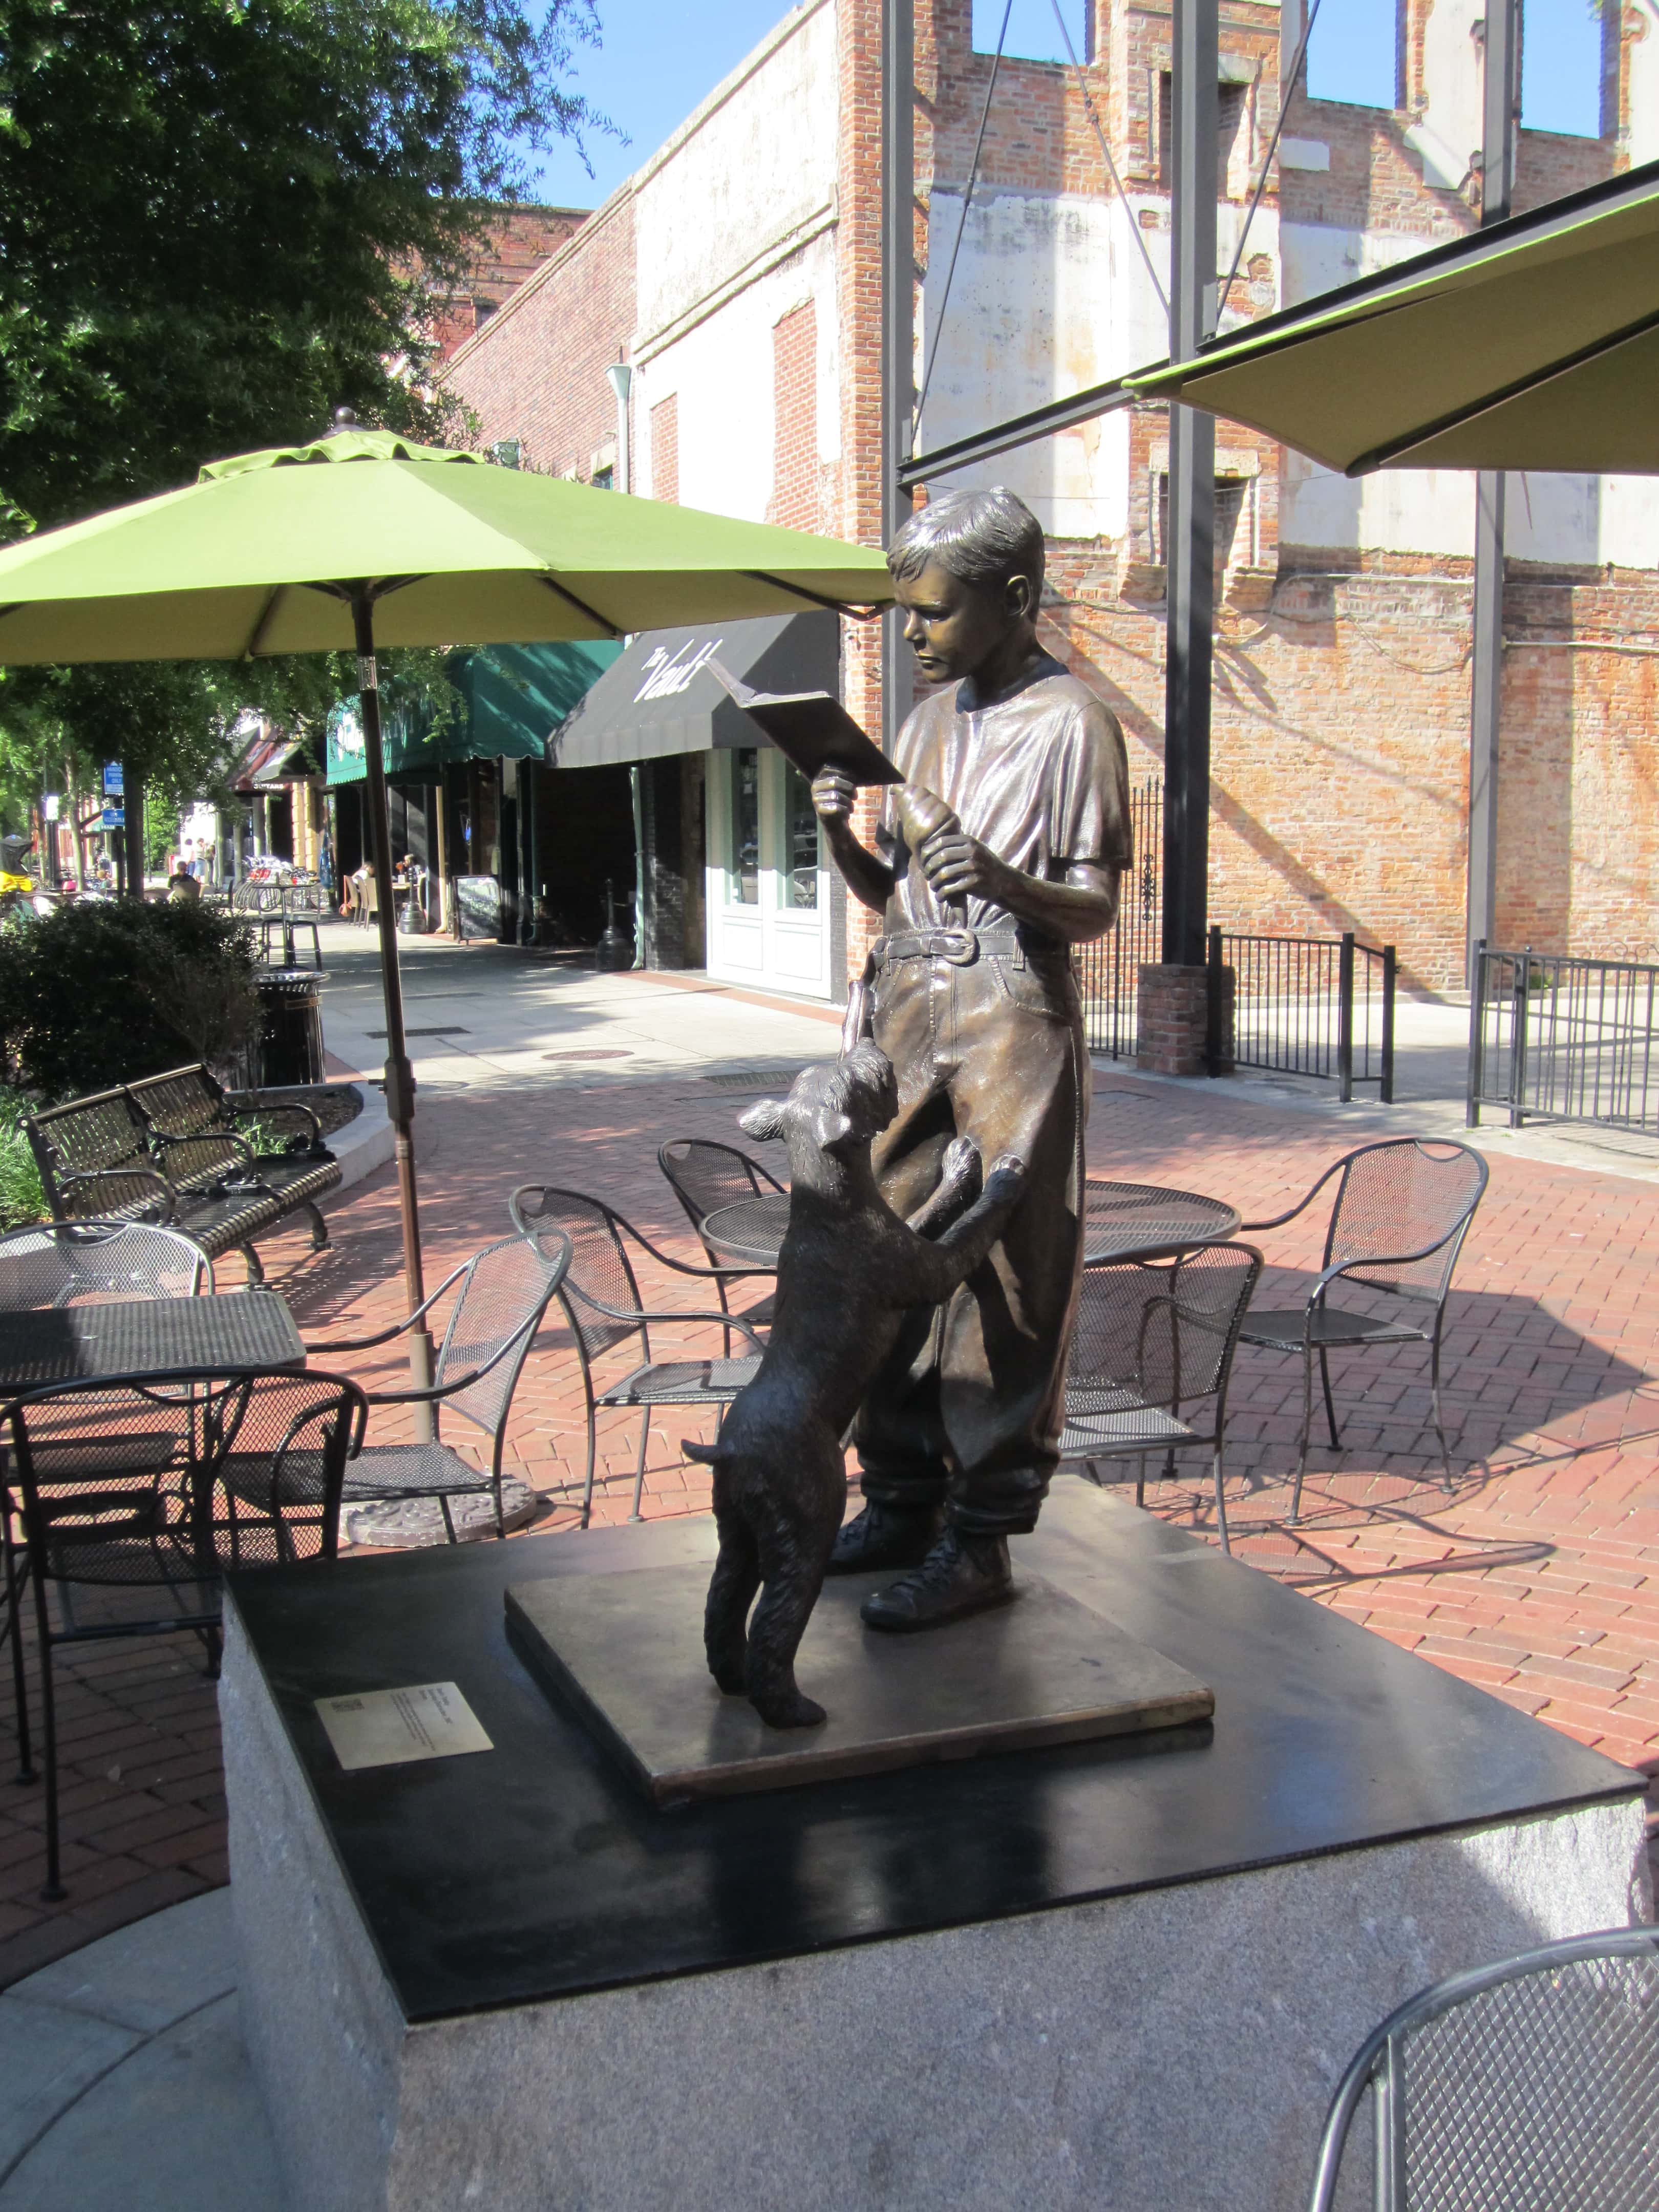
(219, 219)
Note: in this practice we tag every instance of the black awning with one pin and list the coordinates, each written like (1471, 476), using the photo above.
(660, 698)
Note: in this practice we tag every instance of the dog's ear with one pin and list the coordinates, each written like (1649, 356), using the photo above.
(831, 1128)
(764, 1119)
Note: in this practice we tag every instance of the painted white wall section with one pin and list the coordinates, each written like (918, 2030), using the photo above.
(1643, 138)
(753, 169)
(1050, 296)
(722, 373)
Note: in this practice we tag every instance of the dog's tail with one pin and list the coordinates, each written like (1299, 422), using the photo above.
(710, 1455)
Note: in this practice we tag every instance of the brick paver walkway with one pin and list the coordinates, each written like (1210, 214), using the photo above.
(1539, 1579)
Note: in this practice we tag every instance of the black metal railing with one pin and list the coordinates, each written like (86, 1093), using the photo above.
(1304, 1006)
(1108, 972)
(1555, 1038)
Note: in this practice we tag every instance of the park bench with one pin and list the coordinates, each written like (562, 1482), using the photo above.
(167, 1149)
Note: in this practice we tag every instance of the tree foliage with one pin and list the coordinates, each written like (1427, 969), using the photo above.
(218, 220)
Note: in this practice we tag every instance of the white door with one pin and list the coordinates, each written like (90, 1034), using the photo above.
(768, 888)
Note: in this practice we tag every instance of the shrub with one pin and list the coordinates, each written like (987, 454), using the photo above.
(23, 1195)
(97, 994)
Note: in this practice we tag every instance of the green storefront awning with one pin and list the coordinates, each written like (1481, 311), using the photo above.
(513, 696)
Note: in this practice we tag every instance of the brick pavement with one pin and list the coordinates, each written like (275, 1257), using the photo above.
(1538, 1579)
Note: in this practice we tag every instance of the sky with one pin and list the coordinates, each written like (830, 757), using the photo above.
(659, 59)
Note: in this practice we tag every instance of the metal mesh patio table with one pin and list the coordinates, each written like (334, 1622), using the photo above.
(243, 1332)
(1121, 1221)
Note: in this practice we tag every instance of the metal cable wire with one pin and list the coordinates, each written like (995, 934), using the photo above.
(1106, 152)
(967, 200)
(1285, 95)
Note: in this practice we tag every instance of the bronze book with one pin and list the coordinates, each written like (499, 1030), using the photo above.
(811, 729)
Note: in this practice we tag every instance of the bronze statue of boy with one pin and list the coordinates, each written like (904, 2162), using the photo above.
(1023, 770)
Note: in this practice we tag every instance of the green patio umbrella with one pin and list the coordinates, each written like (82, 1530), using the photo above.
(364, 537)
(1531, 345)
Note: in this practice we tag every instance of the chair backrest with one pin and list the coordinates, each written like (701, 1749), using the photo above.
(599, 1291)
(69, 1263)
(1406, 1195)
(503, 1296)
(704, 1174)
(1161, 1335)
(1532, 2082)
(145, 1506)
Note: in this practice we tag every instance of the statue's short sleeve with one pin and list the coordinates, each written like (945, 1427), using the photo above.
(1090, 821)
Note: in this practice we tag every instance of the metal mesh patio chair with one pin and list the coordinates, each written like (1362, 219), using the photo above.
(1152, 1343)
(1400, 1211)
(1532, 2085)
(67, 1263)
(175, 1527)
(704, 1175)
(504, 1294)
(601, 1300)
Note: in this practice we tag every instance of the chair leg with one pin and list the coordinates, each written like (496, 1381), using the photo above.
(15, 1629)
(1307, 1423)
(1439, 1425)
(639, 1471)
(54, 1892)
(1221, 1503)
(256, 1268)
(592, 1462)
(449, 1518)
(1330, 1407)
(1140, 1479)
(319, 1227)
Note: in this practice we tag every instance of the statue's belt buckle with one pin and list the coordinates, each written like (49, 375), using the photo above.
(960, 946)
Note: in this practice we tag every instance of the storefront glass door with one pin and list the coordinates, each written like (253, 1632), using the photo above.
(768, 888)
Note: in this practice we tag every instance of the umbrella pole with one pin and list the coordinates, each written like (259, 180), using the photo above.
(399, 1075)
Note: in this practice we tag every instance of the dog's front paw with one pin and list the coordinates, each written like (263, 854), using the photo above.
(1007, 1176)
(959, 1170)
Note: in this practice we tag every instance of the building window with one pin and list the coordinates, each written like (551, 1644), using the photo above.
(742, 873)
(800, 841)
(1563, 63)
(1353, 55)
(1232, 495)
(481, 311)
(1232, 104)
(1033, 33)
(603, 479)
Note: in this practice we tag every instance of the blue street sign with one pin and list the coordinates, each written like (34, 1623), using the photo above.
(113, 817)
(113, 786)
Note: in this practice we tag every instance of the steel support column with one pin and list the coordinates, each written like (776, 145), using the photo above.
(898, 336)
(1500, 102)
(1189, 549)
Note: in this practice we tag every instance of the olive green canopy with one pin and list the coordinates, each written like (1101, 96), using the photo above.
(258, 557)
(1532, 345)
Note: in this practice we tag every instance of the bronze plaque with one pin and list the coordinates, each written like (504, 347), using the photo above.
(625, 1651)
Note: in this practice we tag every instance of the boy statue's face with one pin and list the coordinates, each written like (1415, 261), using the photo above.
(954, 628)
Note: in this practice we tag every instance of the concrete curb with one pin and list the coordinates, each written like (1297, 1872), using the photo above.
(365, 1144)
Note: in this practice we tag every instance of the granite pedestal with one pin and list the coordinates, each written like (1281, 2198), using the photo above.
(1102, 1974)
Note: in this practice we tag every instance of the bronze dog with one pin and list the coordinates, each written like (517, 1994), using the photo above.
(848, 1268)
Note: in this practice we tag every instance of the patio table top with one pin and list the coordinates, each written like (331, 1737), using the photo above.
(238, 1332)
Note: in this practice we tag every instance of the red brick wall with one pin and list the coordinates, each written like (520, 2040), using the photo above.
(536, 371)
(665, 449)
(797, 500)
(519, 239)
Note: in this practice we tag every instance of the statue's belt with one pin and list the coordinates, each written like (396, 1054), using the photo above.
(961, 947)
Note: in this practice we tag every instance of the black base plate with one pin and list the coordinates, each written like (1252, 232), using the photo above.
(626, 1650)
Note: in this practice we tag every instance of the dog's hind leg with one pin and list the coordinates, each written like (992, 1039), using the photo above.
(731, 1592)
(793, 1554)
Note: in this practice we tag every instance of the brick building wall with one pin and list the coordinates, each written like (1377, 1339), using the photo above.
(797, 500)
(665, 449)
(536, 372)
(517, 241)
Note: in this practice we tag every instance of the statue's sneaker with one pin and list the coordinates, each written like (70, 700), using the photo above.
(881, 1537)
(961, 1575)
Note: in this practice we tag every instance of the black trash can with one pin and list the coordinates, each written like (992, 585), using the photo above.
(286, 1044)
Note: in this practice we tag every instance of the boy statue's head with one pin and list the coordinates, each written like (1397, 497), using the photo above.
(968, 572)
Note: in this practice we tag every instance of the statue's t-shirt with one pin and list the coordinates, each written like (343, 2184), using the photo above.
(1039, 777)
